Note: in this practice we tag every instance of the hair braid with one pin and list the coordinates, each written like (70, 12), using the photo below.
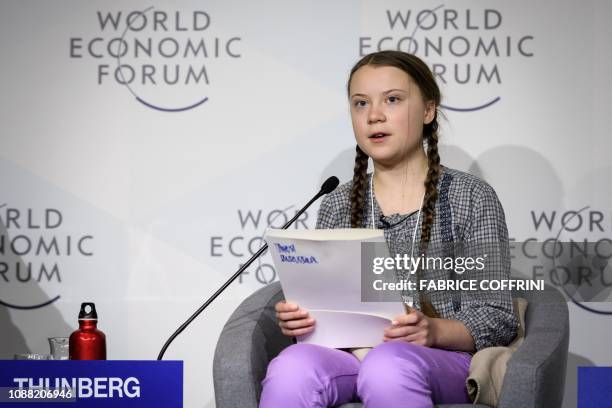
(431, 182)
(358, 191)
(430, 133)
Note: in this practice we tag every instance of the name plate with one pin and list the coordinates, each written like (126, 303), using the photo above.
(594, 389)
(91, 383)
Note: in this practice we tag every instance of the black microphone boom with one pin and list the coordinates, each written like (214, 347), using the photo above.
(328, 186)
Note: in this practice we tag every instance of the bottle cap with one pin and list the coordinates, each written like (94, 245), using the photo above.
(88, 311)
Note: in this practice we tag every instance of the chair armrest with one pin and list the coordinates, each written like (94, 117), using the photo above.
(249, 340)
(535, 375)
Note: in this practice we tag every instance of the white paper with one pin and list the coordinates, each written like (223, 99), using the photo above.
(320, 270)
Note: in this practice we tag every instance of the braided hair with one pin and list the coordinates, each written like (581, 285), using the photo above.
(424, 79)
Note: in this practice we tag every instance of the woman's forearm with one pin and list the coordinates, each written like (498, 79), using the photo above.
(452, 334)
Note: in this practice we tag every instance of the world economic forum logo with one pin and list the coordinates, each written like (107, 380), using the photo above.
(469, 50)
(166, 60)
(580, 268)
(36, 247)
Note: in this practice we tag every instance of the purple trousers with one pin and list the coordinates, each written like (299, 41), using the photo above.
(393, 374)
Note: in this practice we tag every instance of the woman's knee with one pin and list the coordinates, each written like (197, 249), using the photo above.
(309, 375)
(310, 366)
(295, 362)
(390, 365)
(291, 378)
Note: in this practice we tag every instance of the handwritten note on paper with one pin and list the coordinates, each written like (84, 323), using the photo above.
(320, 271)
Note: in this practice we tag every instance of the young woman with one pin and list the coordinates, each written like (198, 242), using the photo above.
(425, 354)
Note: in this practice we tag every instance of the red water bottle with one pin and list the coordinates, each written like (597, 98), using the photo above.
(87, 343)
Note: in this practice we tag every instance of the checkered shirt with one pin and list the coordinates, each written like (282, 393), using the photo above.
(467, 212)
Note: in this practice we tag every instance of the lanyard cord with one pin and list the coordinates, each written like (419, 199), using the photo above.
(407, 301)
(372, 214)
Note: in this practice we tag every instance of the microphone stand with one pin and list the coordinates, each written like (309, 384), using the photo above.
(329, 185)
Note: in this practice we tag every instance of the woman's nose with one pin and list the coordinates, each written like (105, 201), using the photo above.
(376, 114)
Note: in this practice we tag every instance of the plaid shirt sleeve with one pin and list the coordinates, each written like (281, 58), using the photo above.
(335, 209)
(488, 315)
(325, 216)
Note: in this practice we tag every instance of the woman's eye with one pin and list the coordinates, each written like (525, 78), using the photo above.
(393, 99)
(360, 104)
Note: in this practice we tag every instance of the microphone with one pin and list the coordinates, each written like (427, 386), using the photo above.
(328, 186)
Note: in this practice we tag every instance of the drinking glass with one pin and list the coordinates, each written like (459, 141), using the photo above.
(32, 356)
(59, 347)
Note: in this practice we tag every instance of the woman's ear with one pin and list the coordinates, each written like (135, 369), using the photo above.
(430, 112)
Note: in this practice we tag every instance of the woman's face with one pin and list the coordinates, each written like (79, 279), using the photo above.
(388, 113)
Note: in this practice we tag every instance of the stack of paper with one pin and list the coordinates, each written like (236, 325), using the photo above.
(320, 270)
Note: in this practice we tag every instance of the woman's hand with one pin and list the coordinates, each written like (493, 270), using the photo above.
(413, 327)
(292, 320)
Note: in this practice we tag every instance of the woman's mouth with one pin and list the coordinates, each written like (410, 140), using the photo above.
(378, 137)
